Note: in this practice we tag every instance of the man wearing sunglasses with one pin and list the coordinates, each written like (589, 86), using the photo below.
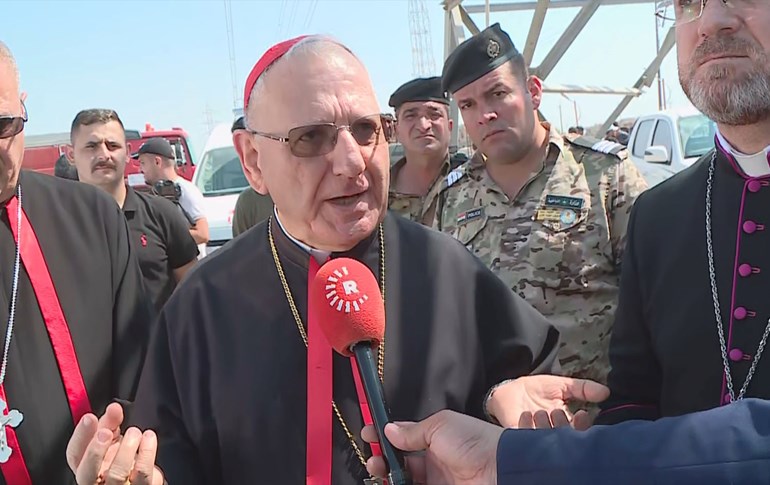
(423, 128)
(694, 314)
(75, 317)
(228, 385)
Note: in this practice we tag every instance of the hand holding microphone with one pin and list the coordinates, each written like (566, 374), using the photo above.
(458, 449)
(353, 320)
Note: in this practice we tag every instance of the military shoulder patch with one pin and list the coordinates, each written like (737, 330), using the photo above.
(453, 177)
(606, 146)
(601, 146)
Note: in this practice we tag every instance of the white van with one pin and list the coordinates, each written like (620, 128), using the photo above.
(220, 177)
(667, 142)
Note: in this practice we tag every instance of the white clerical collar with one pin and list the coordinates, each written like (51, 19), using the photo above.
(319, 255)
(756, 165)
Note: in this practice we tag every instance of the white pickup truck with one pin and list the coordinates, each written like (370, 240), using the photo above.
(667, 142)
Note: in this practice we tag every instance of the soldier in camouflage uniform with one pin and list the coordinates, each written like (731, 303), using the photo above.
(423, 127)
(548, 215)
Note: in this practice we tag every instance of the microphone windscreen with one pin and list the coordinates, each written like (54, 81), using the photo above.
(350, 306)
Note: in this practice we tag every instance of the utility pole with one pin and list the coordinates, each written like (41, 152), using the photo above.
(422, 49)
(209, 118)
(231, 52)
(577, 115)
(659, 19)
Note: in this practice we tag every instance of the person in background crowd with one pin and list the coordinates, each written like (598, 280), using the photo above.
(251, 207)
(158, 163)
(423, 128)
(64, 169)
(159, 233)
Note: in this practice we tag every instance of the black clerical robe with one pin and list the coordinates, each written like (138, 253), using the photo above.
(665, 351)
(225, 380)
(84, 240)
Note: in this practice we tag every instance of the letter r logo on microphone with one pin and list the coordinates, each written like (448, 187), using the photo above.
(343, 294)
(350, 287)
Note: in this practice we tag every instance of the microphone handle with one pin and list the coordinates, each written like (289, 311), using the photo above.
(367, 368)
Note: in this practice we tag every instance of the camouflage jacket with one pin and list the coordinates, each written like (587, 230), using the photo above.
(558, 243)
(418, 208)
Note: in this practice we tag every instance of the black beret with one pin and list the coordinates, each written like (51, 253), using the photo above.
(477, 56)
(420, 89)
(238, 124)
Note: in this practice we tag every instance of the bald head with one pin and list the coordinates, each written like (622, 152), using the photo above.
(329, 186)
(6, 58)
(322, 51)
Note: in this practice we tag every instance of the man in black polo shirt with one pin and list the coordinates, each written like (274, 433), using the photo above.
(158, 231)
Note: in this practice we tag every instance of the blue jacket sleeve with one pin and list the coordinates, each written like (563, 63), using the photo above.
(730, 444)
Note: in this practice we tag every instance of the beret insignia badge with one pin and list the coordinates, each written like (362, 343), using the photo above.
(493, 49)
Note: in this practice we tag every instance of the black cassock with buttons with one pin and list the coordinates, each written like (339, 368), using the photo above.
(665, 352)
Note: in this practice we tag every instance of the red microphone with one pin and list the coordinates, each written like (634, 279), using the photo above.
(352, 316)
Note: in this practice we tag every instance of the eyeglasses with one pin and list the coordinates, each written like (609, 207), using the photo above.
(12, 125)
(686, 11)
(321, 138)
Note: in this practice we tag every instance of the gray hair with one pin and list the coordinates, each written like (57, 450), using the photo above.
(315, 45)
(7, 56)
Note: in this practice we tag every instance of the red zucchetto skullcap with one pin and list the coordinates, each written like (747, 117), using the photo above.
(273, 54)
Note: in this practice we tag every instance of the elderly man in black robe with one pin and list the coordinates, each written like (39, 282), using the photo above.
(75, 316)
(229, 385)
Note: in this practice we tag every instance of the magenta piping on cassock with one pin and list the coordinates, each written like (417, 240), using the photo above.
(747, 180)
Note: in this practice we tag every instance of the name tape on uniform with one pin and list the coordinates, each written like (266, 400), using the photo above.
(564, 201)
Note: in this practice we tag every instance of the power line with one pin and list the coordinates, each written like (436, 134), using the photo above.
(294, 9)
(279, 32)
(231, 51)
(310, 13)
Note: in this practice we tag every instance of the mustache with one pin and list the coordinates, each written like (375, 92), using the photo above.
(104, 164)
(723, 45)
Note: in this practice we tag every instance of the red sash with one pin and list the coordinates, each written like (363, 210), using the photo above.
(15, 469)
(319, 395)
